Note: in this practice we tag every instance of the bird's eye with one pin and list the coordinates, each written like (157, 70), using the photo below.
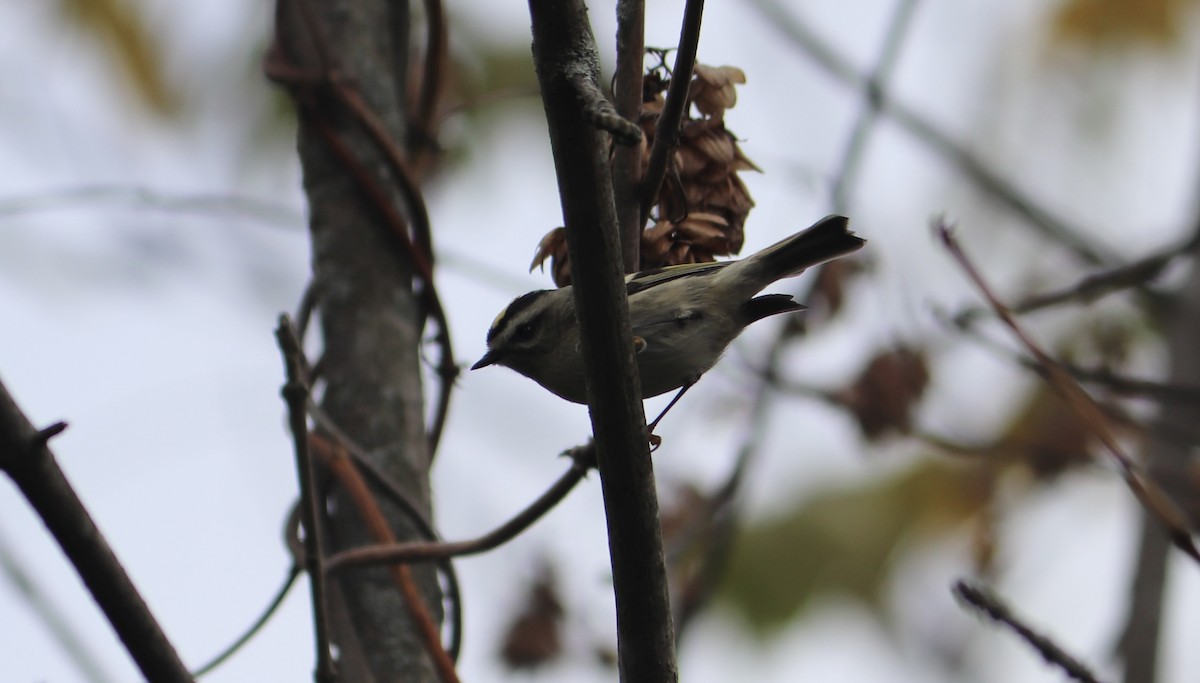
(524, 332)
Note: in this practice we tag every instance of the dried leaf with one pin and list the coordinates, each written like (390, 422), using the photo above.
(534, 637)
(713, 89)
(887, 392)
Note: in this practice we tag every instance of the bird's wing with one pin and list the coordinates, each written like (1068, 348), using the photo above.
(656, 276)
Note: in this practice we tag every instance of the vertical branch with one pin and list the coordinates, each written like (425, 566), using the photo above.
(564, 52)
(295, 394)
(1169, 466)
(25, 457)
(627, 159)
(666, 133)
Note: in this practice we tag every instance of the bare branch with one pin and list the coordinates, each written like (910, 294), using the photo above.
(25, 458)
(666, 133)
(847, 175)
(295, 394)
(261, 621)
(1148, 493)
(828, 58)
(336, 459)
(582, 460)
(983, 600)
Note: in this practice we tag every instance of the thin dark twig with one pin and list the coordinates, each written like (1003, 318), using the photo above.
(1096, 285)
(447, 369)
(666, 132)
(142, 198)
(988, 604)
(296, 395)
(627, 96)
(336, 458)
(1018, 201)
(1153, 499)
(856, 146)
(1115, 382)
(272, 607)
(582, 460)
(397, 495)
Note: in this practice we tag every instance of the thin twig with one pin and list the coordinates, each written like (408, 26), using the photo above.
(847, 175)
(1021, 203)
(272, 607)
(988, 604)
(1149, 494)
(295, 394)
(336, 458)
(1115, 382)
(582, 460)
(142, 198)
(447, 368)
(1093, 286)
(397, 495)
(666, 132)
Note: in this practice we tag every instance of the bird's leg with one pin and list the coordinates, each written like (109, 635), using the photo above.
(655, 440)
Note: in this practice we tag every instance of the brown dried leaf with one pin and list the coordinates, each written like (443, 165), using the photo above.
(534, 638)
(887, 392)
(713, 89)
(718, 146)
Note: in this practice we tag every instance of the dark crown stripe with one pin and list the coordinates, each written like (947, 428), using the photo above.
(514, 309)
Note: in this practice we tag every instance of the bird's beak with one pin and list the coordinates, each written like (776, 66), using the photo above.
(489, 358)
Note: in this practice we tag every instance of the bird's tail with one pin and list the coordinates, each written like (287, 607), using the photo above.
(826, 240)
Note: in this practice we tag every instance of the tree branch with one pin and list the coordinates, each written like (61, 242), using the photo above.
(982, 600)
(1153, 499)
(25, 458)
(627, 159)
(563, 50)
(1019, 202)
(295, 393)
(666, 132)
(582, 461)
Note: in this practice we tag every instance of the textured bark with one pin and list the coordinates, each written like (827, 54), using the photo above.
(369, 316)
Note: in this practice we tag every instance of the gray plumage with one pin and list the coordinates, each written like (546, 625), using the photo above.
(683, 317)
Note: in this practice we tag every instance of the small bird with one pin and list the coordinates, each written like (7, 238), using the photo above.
(683, 317)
